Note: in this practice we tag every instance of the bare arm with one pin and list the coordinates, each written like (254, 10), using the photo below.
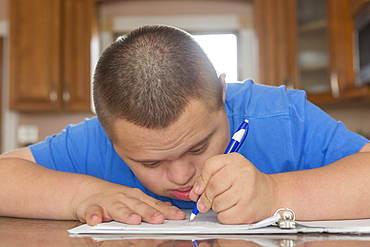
(27, 188)
(32, 191)
(337, 191)
(239, 193)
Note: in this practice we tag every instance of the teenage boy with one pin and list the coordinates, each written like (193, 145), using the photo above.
(164, 119)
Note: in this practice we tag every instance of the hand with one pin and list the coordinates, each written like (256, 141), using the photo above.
(99, 201)
(232, 186)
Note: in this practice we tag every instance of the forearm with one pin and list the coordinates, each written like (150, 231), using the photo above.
(337, 191)
(32, 191)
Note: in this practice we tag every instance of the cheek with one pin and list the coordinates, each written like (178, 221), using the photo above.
(199, 160)
(216, 148)
(220, 144)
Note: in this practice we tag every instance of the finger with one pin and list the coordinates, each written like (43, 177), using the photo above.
(211, 166)
(228, 216)
(197, 190)
(225, 201)
(170, 212)
(167, 203)
(216, 163)
(219, 183)
(140, 206)
(93, 215)
(122, 213)
(219, 175)
(152, 216)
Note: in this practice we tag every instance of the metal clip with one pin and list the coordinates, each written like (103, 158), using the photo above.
(287, 220)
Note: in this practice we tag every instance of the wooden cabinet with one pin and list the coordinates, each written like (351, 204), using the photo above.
(357, 5)
(50, 54)
(308, 44)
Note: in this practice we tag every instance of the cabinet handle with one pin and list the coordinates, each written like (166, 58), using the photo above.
(53, 94)
(66, 95)
(334, 84)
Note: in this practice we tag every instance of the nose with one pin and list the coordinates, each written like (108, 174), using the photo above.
(180, 171)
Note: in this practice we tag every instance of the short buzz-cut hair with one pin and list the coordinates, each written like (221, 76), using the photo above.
(148, 77)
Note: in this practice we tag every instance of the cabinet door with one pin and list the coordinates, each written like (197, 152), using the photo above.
(341, 26)
(313, 46)
(275, 22)
(77, 19)
(325, 36)
(308, 44)
(34, 54)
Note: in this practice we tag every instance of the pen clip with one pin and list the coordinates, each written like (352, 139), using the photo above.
(241, 133)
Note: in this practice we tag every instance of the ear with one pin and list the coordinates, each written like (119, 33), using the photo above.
(223, 82)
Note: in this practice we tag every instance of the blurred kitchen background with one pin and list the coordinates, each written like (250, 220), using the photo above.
(49, 48)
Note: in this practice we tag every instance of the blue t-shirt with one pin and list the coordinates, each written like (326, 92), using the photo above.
(286, 133)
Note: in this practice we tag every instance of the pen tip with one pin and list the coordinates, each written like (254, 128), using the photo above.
(192, 216)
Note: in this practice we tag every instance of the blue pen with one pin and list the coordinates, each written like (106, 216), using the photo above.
(234, 145)
(195, 243)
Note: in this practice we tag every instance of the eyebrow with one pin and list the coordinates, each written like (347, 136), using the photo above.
(192, 147)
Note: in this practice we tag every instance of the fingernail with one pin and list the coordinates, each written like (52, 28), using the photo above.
(134, 216)
(180, 212)
(156, 214)
(157, 217)
(201, 206)
(94, 220)
(196, 187)
(134, 219)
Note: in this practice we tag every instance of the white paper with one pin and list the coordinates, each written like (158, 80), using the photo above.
(208, 224)
(336, 226)
(203, 224)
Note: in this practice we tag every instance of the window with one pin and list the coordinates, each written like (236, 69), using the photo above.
(222, 51)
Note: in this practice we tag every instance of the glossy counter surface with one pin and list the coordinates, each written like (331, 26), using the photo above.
(29, 232)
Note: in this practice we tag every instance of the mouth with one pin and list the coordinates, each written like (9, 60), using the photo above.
(182, 193)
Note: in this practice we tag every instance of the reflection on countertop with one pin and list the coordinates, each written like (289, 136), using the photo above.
(35, 232)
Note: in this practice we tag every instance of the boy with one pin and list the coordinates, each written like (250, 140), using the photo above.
(164, 119)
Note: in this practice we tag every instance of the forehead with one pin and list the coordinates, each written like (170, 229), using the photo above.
(195, 124)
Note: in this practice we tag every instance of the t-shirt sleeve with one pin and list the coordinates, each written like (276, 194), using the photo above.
(287, 132)
(74, 149)
(317, 138)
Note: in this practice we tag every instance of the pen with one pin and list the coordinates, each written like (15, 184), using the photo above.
(195, 243)
(234, 145)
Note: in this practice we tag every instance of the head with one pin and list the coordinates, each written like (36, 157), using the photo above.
(160, 101)
(150, 75)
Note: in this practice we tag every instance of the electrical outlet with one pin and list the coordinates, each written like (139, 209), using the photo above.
(28, 134)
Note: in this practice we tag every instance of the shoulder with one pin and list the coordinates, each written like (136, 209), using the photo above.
(74, 142)
(87, 123)
(261, 100)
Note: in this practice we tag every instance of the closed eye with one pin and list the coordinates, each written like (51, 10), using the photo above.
(199, 150)
(151, 165)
